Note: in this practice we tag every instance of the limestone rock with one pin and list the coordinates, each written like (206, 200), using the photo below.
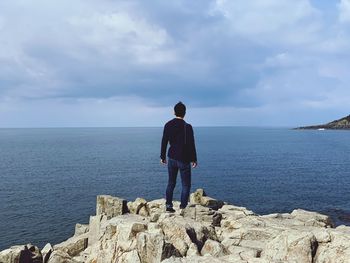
(139, 206)
(95, 224)
(213, 248)
(291, 246)
(46, 252)
(336, 251)
(312, 218)
(128, 257)
(74, 245)
(203, 214)
(11, 255)
(208, 231)
(81, 229)
(150, 247)
(27, 253)
(127, 229)
(110, 206)
(59, 256)
(200, 197)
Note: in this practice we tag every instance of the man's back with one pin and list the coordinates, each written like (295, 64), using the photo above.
(180, 136)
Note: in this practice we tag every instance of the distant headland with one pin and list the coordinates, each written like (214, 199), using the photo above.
(341, 124)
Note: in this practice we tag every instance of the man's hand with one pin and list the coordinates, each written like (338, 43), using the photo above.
(163, 161)
(194, 164)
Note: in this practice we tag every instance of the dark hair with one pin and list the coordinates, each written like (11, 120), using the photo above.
(180, 109)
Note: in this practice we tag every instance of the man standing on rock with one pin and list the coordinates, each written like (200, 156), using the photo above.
(181, 154)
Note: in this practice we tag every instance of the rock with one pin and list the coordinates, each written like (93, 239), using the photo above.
(110, 206)
(291, 246)
(11, 255)
(244, 253)
(59, 256)
(200, 197)
(208, 231)
(19, 254)
(193, 250)
(312, 218)
(203, 214)
(182, 232)
(150, 247)
(81, 229)
(95, 224)
(139, 206)
(213, 248)
(128, 228)
(174, 229)
(46, 252)
(128, 257)
(335, 251)
(74, 245)
(170, 251)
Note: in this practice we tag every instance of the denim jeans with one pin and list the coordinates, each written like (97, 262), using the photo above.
(185, 171)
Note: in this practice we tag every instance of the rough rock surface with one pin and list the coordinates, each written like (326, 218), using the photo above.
(209, 230)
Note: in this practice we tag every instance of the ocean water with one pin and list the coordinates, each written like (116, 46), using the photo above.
(49, 178)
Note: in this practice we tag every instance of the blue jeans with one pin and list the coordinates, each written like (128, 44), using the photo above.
(185, 171)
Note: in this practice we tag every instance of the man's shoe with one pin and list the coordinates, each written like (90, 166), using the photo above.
(170, 210)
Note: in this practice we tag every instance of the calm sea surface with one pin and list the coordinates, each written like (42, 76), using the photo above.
(49, 178)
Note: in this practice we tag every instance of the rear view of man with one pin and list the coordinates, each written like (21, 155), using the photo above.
(181, 154)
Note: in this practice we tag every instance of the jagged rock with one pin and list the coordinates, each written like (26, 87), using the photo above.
(27, 253)
(139, 206)
(81, 229)
(128, 257)
(11, 254)
(95, 224)
(203, 214)
(150, 247)
(46, 252)
(206, 259)
(182, 232)
(336, 250)
(200, 197)
(201, 234)
(244, 253)
(175, 230)
(59, 256)
(74, 245)
(110, 206)
(170, 251)
(291, 246)
(128, 228)
(312, 218)
(213, 248)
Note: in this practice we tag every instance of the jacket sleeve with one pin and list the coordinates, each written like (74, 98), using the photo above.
(164, 143)
(193, 146)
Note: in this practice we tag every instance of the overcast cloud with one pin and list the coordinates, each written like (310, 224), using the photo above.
(125, 63)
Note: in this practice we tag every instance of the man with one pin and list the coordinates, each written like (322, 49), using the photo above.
(181, 154)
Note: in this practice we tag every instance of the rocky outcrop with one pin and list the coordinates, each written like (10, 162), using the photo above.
(209, 230)
(341, 124)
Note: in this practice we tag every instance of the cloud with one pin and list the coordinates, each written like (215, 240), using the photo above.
(267, 22)
(215, 55)
(344, 11)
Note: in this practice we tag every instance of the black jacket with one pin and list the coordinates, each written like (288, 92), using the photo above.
(180, 136)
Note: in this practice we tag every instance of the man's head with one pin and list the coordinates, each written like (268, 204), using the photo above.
(180, 109)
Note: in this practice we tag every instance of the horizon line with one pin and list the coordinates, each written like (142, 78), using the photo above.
(199, 126)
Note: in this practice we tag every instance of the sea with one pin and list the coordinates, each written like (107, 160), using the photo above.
(49, 178)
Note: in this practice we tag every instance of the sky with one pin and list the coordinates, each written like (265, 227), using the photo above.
(110, 63)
